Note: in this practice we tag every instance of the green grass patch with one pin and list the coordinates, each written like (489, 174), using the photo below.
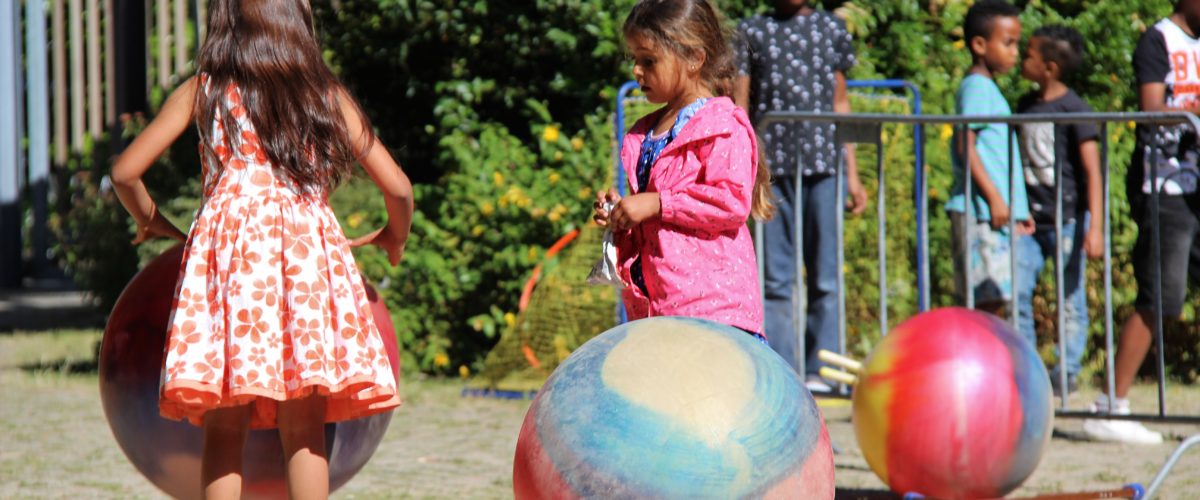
(66, 351)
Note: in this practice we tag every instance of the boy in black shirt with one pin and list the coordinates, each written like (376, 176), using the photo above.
(1053, 54)
(1168, 77)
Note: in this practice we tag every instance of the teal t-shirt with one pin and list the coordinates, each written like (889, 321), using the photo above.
(979, 95)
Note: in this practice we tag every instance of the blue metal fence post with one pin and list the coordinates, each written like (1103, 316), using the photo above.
(619, 178)
(38, 109)
(920, 186)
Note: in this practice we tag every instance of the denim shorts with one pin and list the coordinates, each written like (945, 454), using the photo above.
(991, 260)
(1179, 234)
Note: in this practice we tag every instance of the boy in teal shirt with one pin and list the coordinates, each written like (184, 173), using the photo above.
(993, 34)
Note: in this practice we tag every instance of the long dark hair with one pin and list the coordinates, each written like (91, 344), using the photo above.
(268, 50)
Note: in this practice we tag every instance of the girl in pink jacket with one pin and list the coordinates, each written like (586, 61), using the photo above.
(683, 247)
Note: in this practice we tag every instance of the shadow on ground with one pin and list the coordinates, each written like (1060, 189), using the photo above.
(45, 310)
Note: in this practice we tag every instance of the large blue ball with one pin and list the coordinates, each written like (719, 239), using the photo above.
(673, 407)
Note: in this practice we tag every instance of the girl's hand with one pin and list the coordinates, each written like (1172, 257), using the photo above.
(600, 212)
(385, 239)
(632, 210)
(159, 226)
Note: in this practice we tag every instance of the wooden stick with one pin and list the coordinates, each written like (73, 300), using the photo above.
(838, 376)
(839, 361)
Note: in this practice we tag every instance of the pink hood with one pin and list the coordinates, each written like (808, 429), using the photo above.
(698, 258)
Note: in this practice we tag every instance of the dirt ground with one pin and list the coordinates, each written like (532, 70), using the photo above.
(55, 442)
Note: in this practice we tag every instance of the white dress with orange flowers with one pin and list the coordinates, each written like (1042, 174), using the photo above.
(270, 305)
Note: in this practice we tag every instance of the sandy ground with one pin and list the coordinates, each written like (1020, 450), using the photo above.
(55, 442)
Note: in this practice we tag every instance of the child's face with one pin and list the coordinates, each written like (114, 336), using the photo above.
(661, 74)
(999, 50)
(1033, 67)
(1191, 12)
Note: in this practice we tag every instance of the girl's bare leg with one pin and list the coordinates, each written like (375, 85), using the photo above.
(225, 432)
(302, 431)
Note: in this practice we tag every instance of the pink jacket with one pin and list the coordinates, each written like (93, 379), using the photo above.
(698, 258)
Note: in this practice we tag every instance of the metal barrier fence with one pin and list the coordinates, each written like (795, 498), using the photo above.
(868, 129)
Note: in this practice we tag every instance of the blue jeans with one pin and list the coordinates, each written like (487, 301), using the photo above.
(1032, 252)
(819, 198)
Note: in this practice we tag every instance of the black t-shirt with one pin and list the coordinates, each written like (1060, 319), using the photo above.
(1178, 153)
(1041, 142)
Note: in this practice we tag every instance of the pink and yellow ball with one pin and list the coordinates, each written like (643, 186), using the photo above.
(953, 404)
(673, 408)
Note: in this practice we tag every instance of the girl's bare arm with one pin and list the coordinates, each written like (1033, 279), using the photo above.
(172, 120)
(395, 186)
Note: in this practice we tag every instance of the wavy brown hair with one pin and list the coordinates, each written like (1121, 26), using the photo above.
(691, 27)
(687, 28)
(268, 50)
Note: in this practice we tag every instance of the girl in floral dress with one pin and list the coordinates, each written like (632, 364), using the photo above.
(272, 327)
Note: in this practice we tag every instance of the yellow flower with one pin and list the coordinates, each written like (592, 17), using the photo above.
(947, 132)
(577, 144)
(523, 201)
(554, 216)
(559, 209)
(533, 254)
(537, 212)
(1131, 125)
(463, 371)
(477, 230)
(554, 177)
(486, 209)
(498, 178)
(558, 156)
(959, 44)
(441, 359)
(550, 134)
(355, 219)
(510, 319)
(585, 193)
(503, 202)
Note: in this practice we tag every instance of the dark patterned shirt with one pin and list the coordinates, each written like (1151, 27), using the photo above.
(791, 64)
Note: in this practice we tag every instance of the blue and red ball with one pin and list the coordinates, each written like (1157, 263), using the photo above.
(673, 407)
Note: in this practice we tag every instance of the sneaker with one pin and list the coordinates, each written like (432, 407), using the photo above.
(1119, 431)
(815, 385)
(1072, 386)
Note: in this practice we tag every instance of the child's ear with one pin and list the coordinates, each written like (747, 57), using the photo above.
(696, 60)
(978, 46)
(1054, 70)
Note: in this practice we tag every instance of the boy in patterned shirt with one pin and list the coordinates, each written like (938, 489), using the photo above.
(993, 33)
(796, 60)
